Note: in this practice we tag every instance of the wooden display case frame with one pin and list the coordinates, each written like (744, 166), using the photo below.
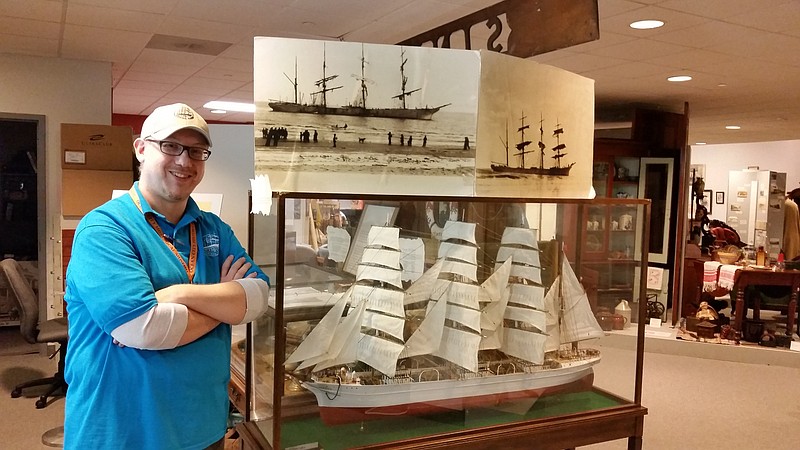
(622, 419)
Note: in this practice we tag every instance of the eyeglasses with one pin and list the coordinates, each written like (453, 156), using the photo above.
(174, 149)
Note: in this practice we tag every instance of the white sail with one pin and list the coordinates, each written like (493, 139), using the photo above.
(425, 340)
(464, 253)
(466, 270)
(460, 347)
(384, 237)
(492, 339)
(524, 344)
(319, 340)
(468, 317)
(553, 309)
(531, 273)
(380, 354)
(528, 295)
(382, 274)
(525, 256)
(381, 257)
(529, 317)
(343, 344)
(493, 294)
(459, 230)
(383, 300)
(422, 289)
(388, 324)
(527, 237)
(456, 293)
(577, 321)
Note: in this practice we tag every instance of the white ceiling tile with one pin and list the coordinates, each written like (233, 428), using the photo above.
(101, 44)
(150, 6)
(155, 77)
(114, 19)
(202, 29)
(719, 9)
(32, 28)
(47, 10)
(28, 45)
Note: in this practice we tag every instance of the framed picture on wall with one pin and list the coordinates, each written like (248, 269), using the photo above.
(706, 201)
(720, 199)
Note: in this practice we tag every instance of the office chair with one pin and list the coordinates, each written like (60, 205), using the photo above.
(54, 330)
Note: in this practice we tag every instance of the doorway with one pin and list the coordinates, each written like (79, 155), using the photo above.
(22, 201)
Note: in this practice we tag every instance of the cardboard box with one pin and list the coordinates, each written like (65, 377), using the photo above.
(84, 190)
(96, 147)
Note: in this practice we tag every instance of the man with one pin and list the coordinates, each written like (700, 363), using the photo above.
(153, 287)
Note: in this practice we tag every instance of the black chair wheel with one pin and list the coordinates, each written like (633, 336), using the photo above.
(41, 403)
(16, 393)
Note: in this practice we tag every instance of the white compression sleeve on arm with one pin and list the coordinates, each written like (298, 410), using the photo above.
(160, 328)
(257, 292)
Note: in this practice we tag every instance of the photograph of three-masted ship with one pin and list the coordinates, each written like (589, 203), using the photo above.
(520, 167)
(362, 110)
(449, 341)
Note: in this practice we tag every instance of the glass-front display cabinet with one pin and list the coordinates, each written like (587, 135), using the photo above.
(403, 322)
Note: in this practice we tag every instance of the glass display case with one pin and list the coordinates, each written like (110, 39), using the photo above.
(445, 321)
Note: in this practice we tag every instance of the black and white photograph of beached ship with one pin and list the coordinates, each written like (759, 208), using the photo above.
(535, 128)
(352, 117)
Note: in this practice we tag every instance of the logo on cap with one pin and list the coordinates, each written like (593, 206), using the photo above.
(184, 113)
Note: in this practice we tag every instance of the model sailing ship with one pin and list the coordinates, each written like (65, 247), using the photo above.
(359, 107)
(447, 341)
(556, 170)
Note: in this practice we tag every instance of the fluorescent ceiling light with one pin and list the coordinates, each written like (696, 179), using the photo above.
(646, 24)
(679, 78)
(231, 106)
(733, 127)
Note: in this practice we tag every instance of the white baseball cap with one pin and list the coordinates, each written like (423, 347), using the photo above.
(165, 120)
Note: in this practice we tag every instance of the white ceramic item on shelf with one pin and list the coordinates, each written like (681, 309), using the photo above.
(624, 309)
(626, 222)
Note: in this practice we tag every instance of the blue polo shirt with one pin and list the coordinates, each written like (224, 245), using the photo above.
(143, 399)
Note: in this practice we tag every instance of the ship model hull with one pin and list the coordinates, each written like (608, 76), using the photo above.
(550, 171)
(388, 113)
(348, 403)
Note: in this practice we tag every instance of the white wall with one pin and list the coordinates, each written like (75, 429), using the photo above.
(228, 172)
(778, 156)
(63, 91)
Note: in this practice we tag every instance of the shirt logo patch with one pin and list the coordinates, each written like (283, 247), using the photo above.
(211, 245)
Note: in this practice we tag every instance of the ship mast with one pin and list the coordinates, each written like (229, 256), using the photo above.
(363, 79)
(541, 144)
(523, 143)
(403, 80)
(559, 146)
(322, 84)
(294, 82)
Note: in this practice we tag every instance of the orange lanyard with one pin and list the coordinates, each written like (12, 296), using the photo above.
(190, 268)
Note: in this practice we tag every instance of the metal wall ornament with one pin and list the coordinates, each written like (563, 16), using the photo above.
(534, 27)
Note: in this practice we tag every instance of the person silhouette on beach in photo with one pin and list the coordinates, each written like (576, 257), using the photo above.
(409, 140)
(402, 140)
(334, 140)
(315, 136)
(390, 137)
(466, 143)
(425, 140)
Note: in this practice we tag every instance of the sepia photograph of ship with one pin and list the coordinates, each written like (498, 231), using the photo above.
(535, 129)
(351, 117)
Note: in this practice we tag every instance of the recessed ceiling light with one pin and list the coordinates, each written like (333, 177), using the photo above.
(733, 127)
(699, 143)
(231, 106)
(722, 85)
(218, 111)
(646, 24)
(679, 78)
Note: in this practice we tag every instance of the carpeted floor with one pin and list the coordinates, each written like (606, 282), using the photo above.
(693, 403)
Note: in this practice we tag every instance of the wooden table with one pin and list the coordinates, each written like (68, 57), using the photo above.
(752, 277)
